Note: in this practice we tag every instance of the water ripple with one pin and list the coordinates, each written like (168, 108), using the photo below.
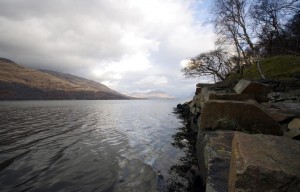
(85, 145)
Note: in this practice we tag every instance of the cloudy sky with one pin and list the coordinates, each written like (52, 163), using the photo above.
(129, 45)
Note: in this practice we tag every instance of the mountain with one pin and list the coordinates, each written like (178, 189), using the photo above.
(152, 95)
(21, 83)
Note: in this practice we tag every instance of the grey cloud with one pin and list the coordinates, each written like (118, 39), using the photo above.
(79, 37)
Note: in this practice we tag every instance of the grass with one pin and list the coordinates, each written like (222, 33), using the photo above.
(278, 67)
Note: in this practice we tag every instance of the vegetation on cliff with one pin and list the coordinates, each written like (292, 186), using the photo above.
(248, 32)
(276, 68)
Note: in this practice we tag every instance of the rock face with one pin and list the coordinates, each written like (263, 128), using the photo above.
(264, 163)
(214, 152)
(235, 115)
(250, 87)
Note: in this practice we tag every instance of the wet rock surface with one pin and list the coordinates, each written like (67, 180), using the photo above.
(186, 173)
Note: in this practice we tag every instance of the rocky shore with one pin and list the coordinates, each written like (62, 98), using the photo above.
(247, 135)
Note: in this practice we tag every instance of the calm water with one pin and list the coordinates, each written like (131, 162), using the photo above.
(86, 145)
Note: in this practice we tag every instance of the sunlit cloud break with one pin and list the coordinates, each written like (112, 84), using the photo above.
(128, 45)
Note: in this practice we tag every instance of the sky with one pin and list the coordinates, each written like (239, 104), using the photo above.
(128, 45)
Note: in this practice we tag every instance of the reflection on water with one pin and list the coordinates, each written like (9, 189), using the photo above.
(86, 145)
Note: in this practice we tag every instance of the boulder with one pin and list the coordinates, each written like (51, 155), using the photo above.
(264, 163)
(197, 100)
(284, 107)
(239, 116)
(236, 97)
(183, 109)
(293, 129)
(279, 116)
(205, 94)
(287, 97)
(253, 88)
(198, 90)
(214, 152)
(195, 110)
(288, 85)
(272, 83)
(294, 124)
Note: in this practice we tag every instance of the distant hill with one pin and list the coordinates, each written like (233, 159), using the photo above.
(22, 83)
(152, 95)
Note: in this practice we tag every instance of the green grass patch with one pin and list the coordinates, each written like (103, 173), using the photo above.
(278, 67)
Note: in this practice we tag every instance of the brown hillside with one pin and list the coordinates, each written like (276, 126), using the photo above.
(18, 82)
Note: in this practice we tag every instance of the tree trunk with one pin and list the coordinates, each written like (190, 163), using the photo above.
(241, 72)
(259, 70)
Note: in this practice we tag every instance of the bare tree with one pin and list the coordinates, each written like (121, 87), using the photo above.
(245, 28)
(231, 19)
(269, 18)
(215, 63)
(293, 34)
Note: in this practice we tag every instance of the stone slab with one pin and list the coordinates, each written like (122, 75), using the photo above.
(264, 163)
(239, 116)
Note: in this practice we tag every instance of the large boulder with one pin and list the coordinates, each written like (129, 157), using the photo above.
(235, 115)
(214, 152)
(264, 163)
(253, 88)
(205, 92)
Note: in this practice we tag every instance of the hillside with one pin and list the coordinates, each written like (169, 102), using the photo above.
(152, 95)
(22, 83)
(278, 67)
